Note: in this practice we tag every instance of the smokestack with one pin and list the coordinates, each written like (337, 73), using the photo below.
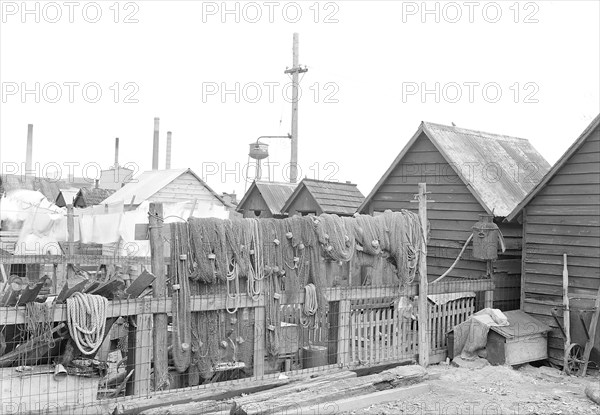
(155, 145)
(168, 161)
(116, 152)
(29, 153)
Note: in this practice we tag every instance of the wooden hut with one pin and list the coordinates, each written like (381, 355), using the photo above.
(561, 215)
(90, 196)
(314, 197)
(169, 186)
(265, 199)
(468, 173)
(66, 197)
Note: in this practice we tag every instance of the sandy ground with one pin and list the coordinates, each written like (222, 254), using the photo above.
(496, 390)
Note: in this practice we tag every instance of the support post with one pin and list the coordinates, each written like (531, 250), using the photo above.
(489, 299)
(423, 306)
(296, 70)
(70, 272)
(344, 336)
(160, 349)
(566, 314)
(259, 342)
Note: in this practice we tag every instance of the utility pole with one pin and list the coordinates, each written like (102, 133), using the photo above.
(295, 70)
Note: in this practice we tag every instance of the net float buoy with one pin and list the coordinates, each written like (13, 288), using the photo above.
(223, 344)
(301, 246)
(375, 243)
(276, 242)
(356, 215)
(211, 256)
(185, 346)
(239, 339)
(176, 287)
(326, 235)
(276, 269)
(329, 248)
(359, 248)
(183, 257)
(296, 259)
(276, 296)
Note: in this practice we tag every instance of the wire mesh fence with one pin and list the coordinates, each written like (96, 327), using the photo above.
(42, 368)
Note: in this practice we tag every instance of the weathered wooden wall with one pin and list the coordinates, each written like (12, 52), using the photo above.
(255, 202)
(564, 217)
(451, 216)
(183, 189)
(304, 203)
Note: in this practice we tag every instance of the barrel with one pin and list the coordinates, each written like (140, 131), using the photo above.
(314, 356)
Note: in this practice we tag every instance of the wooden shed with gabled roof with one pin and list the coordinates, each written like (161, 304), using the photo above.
(468, 173)
(90, 196)
(561, 215)
(265, 199)
(319, 196)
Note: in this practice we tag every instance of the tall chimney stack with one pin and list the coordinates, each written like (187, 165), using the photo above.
(168, 161)
(116, 152)
(29, 153)
(155, 145)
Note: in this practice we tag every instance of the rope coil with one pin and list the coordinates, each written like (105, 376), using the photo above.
(86, 318)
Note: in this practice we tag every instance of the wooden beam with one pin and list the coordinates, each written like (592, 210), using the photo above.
(423, 282)
(259, 342)
(76, 259)
(116, 308)
(159, 292)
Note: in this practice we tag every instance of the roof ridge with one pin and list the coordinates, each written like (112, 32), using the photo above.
(472, 132)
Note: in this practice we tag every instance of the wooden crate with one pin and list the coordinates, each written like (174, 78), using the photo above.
(524, 340)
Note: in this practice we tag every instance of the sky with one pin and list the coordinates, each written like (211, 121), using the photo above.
(84, 73)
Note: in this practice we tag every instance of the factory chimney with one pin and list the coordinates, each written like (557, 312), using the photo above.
(29, 153)
(155, 145)
(168, 161)
(116, 153)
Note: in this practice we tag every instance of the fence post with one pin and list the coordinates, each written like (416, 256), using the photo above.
(259, 342)
(344, 335)
(161, 373)
(423, 306)
(489, 299)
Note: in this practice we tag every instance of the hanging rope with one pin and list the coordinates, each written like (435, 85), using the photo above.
(180, 304)
(86, 318)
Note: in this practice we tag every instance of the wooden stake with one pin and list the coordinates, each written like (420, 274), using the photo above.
(71, 238)
(592, 332)
(566, 313)
(161, 359)
(423, 306)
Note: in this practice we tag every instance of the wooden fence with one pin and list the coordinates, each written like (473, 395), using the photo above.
(364, 326)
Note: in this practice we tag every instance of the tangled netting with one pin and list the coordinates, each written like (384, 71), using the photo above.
(275, 256)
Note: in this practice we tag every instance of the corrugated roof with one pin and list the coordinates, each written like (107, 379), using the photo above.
(333, 197)
(557, 166)
(149, 183)
(275, 194)
(93, 195)
(499, 170)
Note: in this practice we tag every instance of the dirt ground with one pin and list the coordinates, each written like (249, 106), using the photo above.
(496, 390)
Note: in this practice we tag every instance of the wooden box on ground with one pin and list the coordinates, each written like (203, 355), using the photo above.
(524, 340)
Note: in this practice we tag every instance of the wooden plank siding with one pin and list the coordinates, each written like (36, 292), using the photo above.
(304, 203)
(255, 202)
(564, 217)
(183, 189)
(452, 215)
